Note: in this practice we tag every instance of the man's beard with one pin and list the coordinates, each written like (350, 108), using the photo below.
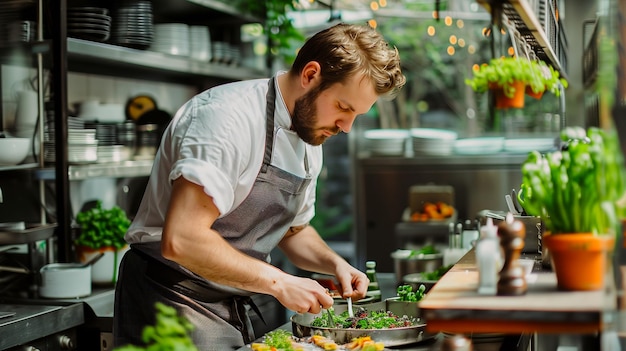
(305, 119)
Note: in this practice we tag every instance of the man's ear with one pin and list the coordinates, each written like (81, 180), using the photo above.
(311, 75)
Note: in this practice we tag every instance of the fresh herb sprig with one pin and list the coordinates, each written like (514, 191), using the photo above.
(279, 339)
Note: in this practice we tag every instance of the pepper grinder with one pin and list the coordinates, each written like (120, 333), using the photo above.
(512, 277)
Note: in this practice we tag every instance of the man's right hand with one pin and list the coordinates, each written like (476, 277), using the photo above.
(302, 294)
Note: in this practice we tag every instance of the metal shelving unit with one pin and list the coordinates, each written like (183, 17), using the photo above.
(86, 55)
(127, 169)
(538, 23)
(76, 55)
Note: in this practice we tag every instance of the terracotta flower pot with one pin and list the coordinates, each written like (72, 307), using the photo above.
(517, 101)
(580, 259)
(532, 94)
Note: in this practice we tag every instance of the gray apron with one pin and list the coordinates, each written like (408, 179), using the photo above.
(218, 312)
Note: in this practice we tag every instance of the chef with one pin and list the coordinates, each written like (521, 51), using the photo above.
(235, 177)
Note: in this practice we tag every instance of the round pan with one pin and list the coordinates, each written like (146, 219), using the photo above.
(301, 325)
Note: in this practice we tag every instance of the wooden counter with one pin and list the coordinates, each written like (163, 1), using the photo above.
(454, 305)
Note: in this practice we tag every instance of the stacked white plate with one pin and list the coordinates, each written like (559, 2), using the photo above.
(524, 145)
(171, 38)
(91, 23)
(114, 153)
(479, 146)
(431, 141)
(200, 42)
(386, 142)
(82, 146)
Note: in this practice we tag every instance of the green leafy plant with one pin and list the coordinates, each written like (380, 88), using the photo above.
(576, 189)
(406, 293)
(279, 28)
(170, 333)
(100, 227)
(503, 72)
(551, 80)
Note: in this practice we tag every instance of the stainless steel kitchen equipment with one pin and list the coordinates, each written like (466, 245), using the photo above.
(380, 186)
(534, 229)
(22, 256)
(65, 280)
(405, 262)
(41, 327)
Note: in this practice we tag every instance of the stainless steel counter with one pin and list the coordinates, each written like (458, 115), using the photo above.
(33, 319)
(32, 322)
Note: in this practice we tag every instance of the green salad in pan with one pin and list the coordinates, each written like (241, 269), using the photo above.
(363, 319)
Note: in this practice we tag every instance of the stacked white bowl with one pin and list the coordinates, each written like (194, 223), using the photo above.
(479, 146)
(386, 142)
(13, 150)
(171, 38)
(432, 141)
(200, 42)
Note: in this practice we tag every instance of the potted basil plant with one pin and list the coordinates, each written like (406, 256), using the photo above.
(512, 77)
(576, 192)
(102, 230)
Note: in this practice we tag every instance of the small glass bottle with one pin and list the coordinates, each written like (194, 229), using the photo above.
(488, 258)
(373, 289)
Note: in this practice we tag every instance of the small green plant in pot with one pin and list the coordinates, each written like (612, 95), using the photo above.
(102, 231)
(576, 192)
(511, 77)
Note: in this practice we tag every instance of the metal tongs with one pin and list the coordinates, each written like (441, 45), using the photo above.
(331, 319)
(350, 312)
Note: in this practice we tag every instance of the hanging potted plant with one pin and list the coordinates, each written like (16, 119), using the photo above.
(576, 191)
(508, 77)
(548, 79)
(102, 231)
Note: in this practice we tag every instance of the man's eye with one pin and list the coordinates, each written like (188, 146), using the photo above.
(344, 109)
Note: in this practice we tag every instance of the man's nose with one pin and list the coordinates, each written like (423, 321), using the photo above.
(346, 124)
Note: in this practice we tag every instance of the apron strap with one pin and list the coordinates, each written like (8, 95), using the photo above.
(270, 101)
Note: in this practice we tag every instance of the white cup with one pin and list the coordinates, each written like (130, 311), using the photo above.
(27, 110)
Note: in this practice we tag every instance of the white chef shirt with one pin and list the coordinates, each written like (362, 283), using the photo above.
(217, 140)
